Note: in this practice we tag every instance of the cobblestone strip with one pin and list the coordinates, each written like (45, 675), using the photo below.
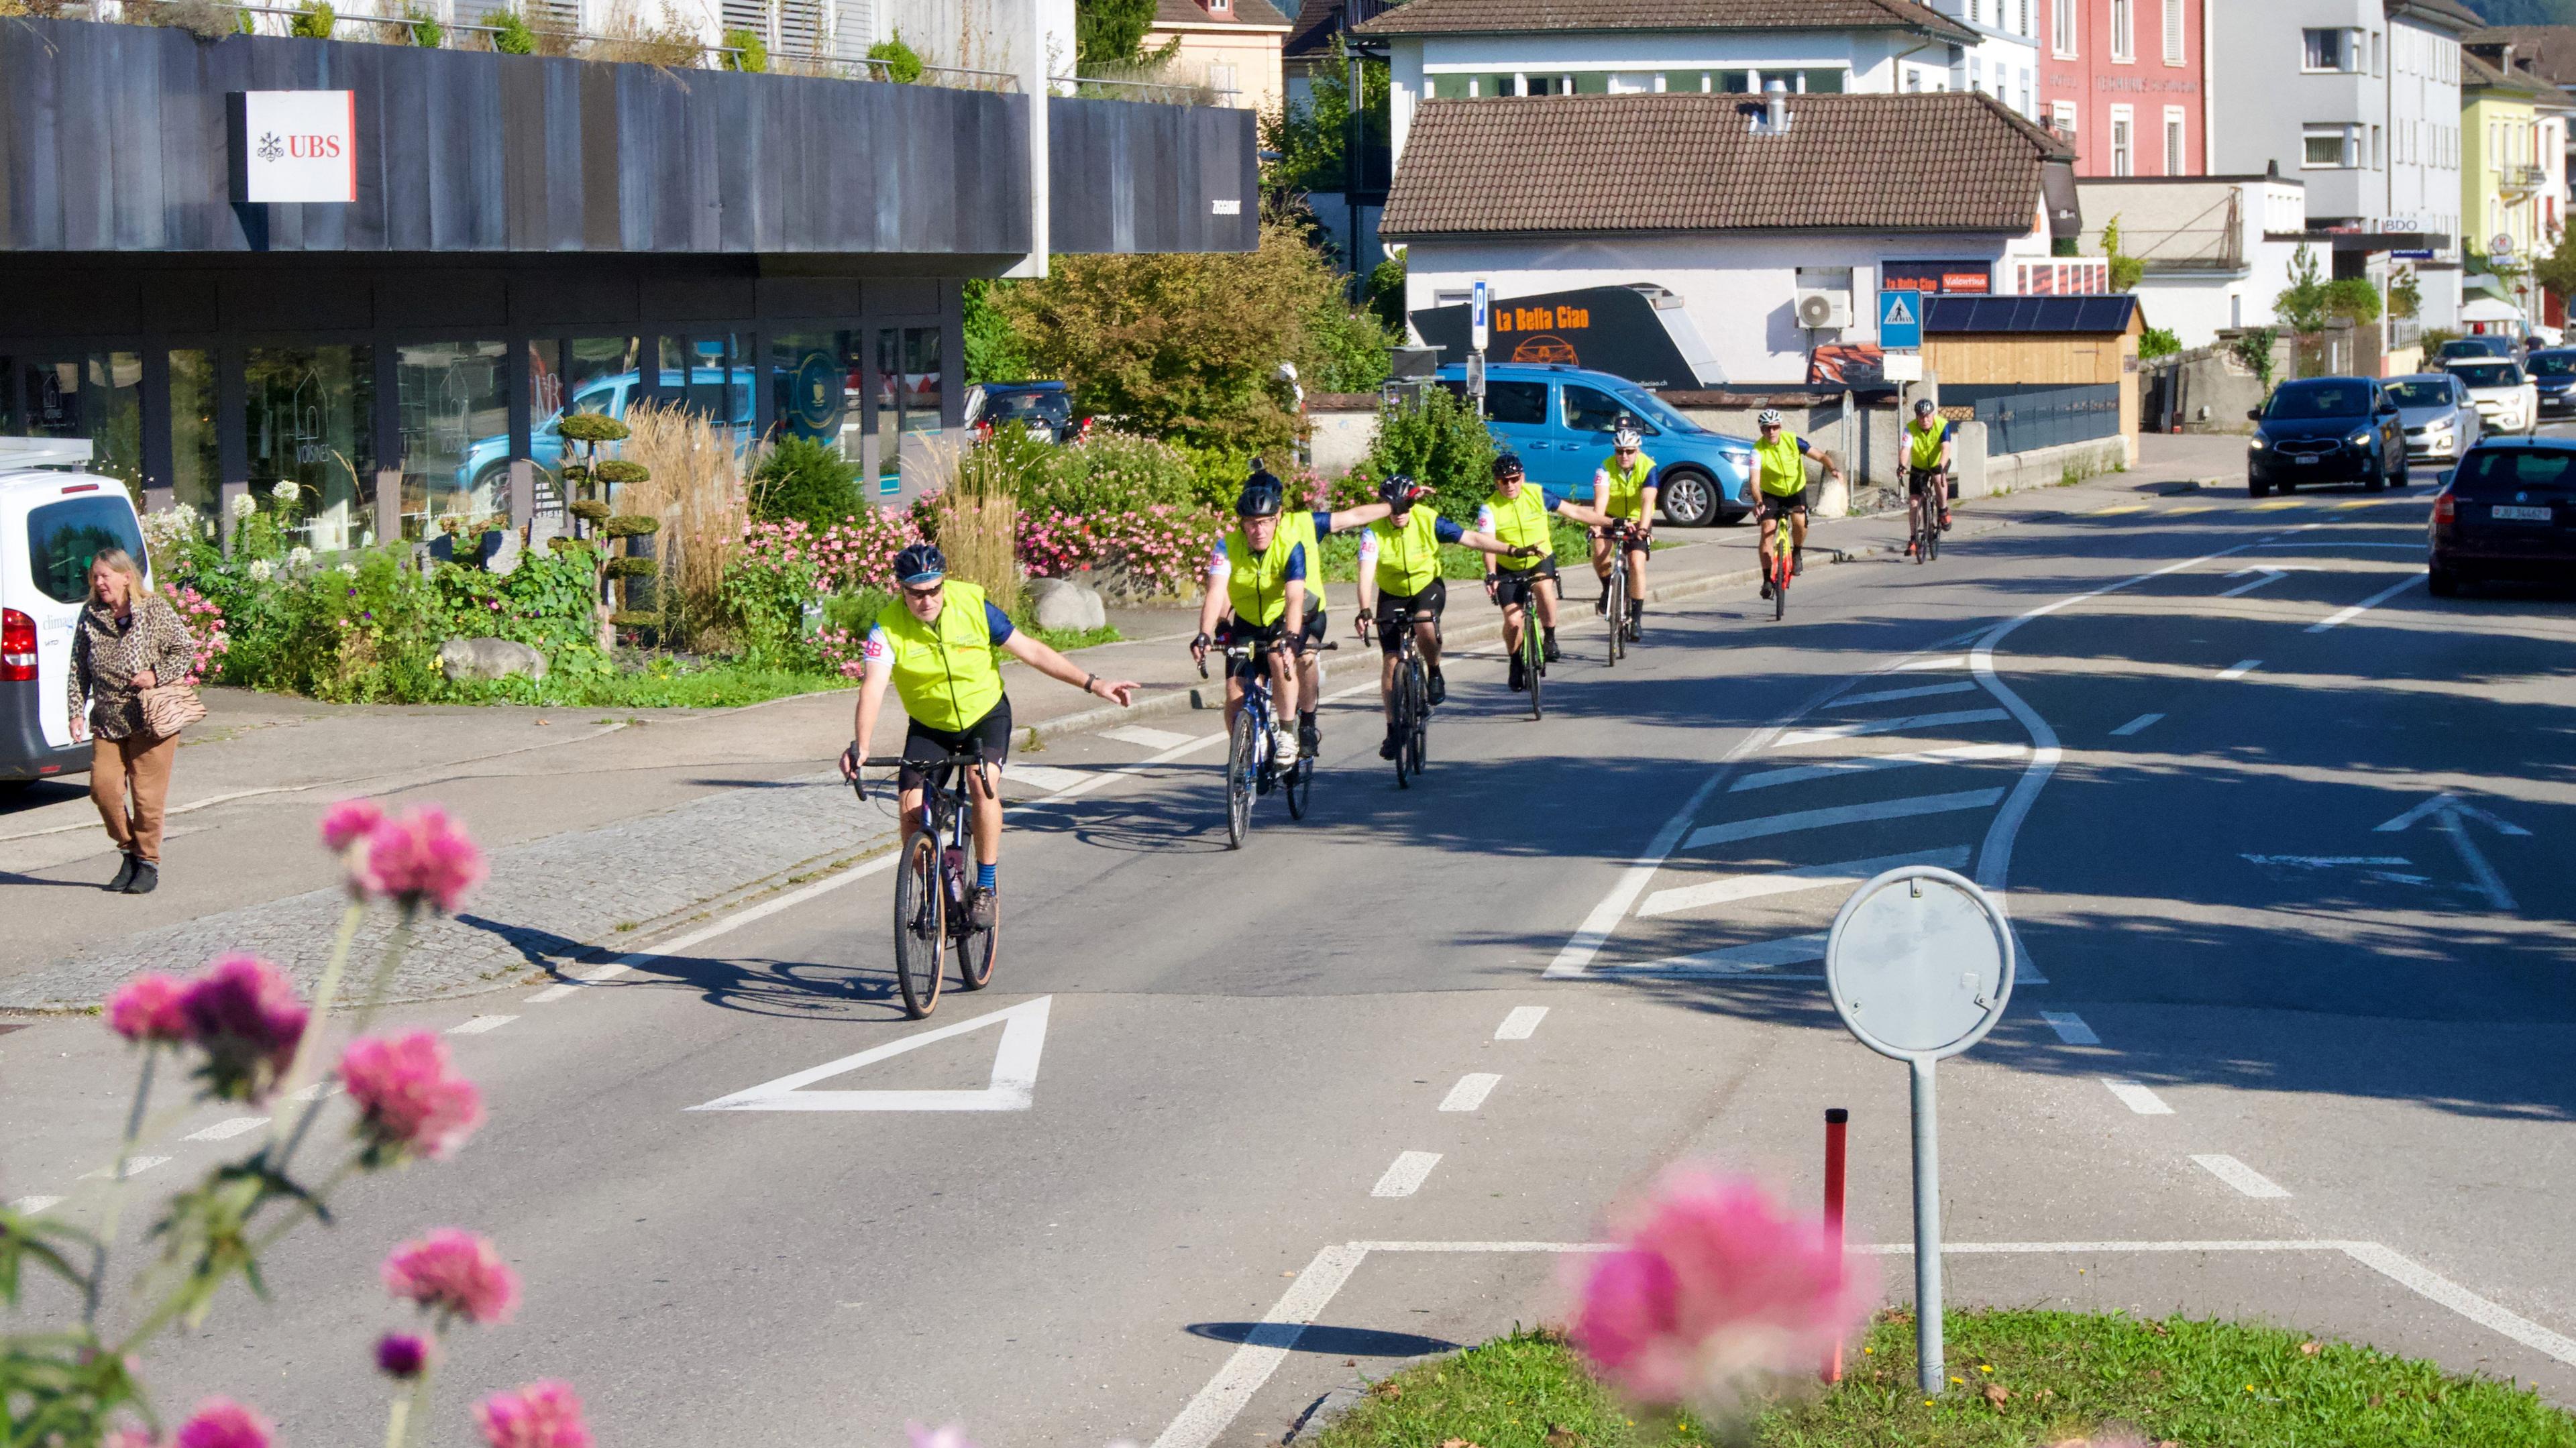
(546, 902)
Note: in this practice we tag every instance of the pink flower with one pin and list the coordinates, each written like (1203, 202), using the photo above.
(406, 1100)
(422, 857)
(243, 1010)
(349, 821)
(223, 1423)
(1712, 1283)
(453, 1271)
(149, 1008)
(541, 1415)
(401, 1356)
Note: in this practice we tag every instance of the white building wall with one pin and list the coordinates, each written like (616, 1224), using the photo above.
(1738, 291)
(2424, 128)
(2005, 61)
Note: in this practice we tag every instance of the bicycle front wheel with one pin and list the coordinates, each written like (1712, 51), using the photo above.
(1534, 655)
(1617, 608)
(1781, 568)
(1242, 770)
(1931, 535)
(920, 925)
(1418, 738)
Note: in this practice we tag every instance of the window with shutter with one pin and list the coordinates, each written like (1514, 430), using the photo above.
(2173, 32)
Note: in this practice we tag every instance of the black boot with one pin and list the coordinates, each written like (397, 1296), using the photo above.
(1439, 688)
(1636, 621)
(1520, 673)
(1552, 655)
(124, 874)
(1310, 738)
(1393, 744)
(147, 878)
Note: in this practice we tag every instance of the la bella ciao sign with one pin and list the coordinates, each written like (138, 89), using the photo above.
(294, 146)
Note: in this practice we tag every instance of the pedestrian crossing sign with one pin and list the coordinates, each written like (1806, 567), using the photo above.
(1900, 319)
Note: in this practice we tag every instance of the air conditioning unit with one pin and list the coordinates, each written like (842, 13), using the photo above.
(1822, 311)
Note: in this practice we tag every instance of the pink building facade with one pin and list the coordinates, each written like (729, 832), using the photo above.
(2127, 81)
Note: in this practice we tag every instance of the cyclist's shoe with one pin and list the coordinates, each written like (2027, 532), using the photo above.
(1909, 547)
(1394, 744)
(981, 908)
(1636, 621)
(1310, 739)
(1945, 520)
(1798, 564)
(1766, 587)
(1549, 647)
(1439, 688)
(1520, 674)
(1283, 746)
(1602, 604)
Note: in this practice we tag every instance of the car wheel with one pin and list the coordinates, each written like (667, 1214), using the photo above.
(2442, 582)
(1688, 497)
(2256, 488)
(2405, 474)
(2377, 482)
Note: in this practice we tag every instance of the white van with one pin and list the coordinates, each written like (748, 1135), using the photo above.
(52, 523)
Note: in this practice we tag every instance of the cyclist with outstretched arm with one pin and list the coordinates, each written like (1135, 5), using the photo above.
(1400, 566)
(1624, 488)
(1516, 514)
(1780, 479)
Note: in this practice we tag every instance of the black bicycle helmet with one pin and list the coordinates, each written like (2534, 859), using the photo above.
(1507, 464)
(920, 565)
(1400, 491)
(1262, 497)
(1923, 407)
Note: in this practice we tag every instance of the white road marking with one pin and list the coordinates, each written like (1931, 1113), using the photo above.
(1863, 763)
(1951, 661)
(1214, 1407)
(1521, 1024)
(227, 1130)
(135, 1166)
(1012, 1087)
(2138, 1098)
(30, 1206)
(2447, 803)
(2325, 862)
(1470, 1092)
(2135, 725)
(2240, 669)
(2345, 543)
(2346, 615)
(1796, 737)
(1042, 777)
(1150, 738)
(2452, 816)
(1755, 958)
(1588, 938)
(1783, 882)
(314, 1092)
(2265, 575)
(1890, 696)
(479, 1025)
(2070, 1028)
(1809, 819)
(1406, 1176)
(2240, 1176)
(552, 993)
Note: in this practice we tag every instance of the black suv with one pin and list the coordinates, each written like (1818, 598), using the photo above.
(2326, 430)
(2510, 512)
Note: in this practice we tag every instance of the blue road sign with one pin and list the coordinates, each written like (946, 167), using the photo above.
(1900, 319)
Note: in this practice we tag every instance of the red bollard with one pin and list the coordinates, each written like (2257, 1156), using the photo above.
(1837, 1121)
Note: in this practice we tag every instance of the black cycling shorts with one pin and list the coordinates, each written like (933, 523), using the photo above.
(1923, 480)
(1511, 583)
(1231, 630)
(1780, 505)
(1393, 606)
(929, 745)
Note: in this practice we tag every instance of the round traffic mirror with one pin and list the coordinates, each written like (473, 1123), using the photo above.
(1920, 963)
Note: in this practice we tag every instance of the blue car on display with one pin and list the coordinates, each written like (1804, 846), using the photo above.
(1559, 420)
(487, 459)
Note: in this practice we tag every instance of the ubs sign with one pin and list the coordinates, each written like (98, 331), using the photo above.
(294, 146)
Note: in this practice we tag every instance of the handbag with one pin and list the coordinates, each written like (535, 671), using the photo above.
(169, 708)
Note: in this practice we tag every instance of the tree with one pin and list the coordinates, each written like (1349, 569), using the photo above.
(1111, 32)
(2126, 271)
(2556, 268)
(1185, 345)
(994, 352)
(1309, 136)
(2302, 305)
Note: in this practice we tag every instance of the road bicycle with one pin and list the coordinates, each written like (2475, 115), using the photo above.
(1615, 591)
(1781, 564)
(1521, 590)
(1928, 487)
(1412, 700)
(930, 914)
(1251, 767)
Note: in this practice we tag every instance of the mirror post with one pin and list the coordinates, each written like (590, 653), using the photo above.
(1927, 1233)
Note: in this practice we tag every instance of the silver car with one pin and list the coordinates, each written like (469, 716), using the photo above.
(2441, 422)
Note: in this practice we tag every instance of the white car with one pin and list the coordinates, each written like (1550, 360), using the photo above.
(2503, 393)
(50, 524)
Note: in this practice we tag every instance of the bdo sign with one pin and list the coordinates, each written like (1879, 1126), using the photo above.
(294, 146)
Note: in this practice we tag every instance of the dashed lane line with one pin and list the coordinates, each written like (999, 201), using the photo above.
(30, 1206)
(1471, 1091)
(1406, 1176)
(1810, 819)
(1521, 1024)
(2070, 1028)
(2240, 1176)
(2135, 725)
(134, 1166)
(1149, 738)
(227, 1129)
(2239, 669)
(479, 1024)
(2137, 1097)
(2347, 615)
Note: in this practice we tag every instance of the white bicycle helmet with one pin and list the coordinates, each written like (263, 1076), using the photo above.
(1625, 436)
(1768, 417)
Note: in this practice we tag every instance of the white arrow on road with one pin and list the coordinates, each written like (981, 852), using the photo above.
(2451, 816)
(1013, 1086)
(2269, 575)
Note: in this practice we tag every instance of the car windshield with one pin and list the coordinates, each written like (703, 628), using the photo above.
(2477, 347)
(2301, 401)
(2421, 394)
(2553, 364)
(1047, 407)
(2488, 374)
(2492, 471)
(1657, 411)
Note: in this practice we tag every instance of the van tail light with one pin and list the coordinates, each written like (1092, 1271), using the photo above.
(17, 647)
(2445, 511)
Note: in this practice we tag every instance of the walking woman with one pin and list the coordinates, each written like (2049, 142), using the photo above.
(129, 639)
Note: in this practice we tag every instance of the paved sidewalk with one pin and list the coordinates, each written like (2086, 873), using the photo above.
(606, 829)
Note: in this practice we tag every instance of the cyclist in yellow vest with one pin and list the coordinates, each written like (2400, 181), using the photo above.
(1264, 586)
(1297, 527)
(1780, 475)
(1400, 565)
(1624, 488)
(942, 651)
(1516, 514)
(1927, 466)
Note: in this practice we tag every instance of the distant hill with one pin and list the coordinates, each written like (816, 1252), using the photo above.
(2525, 12)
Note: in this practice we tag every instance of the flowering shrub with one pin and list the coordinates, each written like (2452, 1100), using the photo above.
(1161, 547)
(245, 1035)
(205, 622)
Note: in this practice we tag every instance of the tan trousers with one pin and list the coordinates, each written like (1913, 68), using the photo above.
(139, 766)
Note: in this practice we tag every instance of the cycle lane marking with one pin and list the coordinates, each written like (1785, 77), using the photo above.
(1885, 809)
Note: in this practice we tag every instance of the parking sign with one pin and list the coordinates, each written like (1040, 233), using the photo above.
(1477, 333)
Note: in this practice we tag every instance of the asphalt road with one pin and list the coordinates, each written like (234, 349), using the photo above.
(2260, 1012)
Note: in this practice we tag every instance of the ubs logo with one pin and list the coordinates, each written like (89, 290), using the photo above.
(271, 148)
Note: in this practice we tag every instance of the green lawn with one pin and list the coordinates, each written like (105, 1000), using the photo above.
(2017, 1378)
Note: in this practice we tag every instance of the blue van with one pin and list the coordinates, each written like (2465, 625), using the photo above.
(487, 459)
(1559, 419)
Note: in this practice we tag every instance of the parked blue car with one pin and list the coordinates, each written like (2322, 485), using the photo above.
(487, 459)
(1559, 420)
